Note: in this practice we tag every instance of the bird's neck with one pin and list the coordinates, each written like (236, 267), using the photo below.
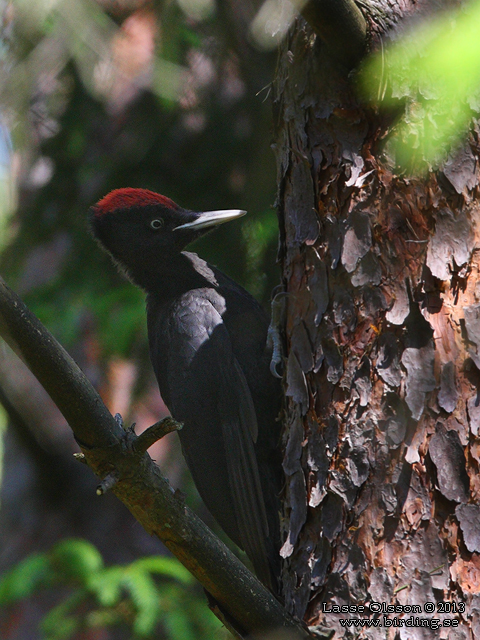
(171, 276)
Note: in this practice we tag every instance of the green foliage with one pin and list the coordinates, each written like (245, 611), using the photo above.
(151, 594)
(119, 311)
(76, 560)
(162, 566)
(28, 576)
(143, 592)
(434, 74)
(59, 623)
(260, 236)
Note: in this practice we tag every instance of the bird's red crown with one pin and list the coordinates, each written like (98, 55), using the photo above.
(126, 198)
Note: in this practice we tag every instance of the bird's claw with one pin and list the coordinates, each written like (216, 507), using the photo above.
(273, 367)
(274, 337)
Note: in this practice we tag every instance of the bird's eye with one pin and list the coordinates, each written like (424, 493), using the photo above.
(156, 224)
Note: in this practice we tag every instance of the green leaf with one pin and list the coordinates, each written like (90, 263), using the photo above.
(25, 578)
(106, 585)
(144, 593)
(168, 567)
(177, 623)
(76, 559)
(58, 624)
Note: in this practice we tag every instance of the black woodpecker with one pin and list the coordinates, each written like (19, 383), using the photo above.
(208, 347)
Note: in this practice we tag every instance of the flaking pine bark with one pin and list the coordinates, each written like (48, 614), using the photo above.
(382, 373)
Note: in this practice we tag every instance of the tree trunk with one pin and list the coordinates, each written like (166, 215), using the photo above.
(382, 370)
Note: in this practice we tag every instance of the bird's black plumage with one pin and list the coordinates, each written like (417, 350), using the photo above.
(207, 339)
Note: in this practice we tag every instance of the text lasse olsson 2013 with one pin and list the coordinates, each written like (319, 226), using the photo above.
(383, 607)
(376, 608)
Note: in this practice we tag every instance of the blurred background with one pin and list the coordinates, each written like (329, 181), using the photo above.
(171, 96)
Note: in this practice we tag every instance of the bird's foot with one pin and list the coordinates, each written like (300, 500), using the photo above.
(274, 336)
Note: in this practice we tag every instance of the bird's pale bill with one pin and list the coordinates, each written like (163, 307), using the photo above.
(212, 219)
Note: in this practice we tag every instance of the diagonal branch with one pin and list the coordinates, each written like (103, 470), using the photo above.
(111, 451)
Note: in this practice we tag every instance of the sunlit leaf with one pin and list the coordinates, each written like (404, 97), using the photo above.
(143, 591)
(76, 559)
(434, 71)
(107, 585)
(163, 566)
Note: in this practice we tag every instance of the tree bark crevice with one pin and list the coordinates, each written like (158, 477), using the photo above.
(382, 353)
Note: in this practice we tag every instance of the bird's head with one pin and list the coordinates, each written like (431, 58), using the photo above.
(137, 226)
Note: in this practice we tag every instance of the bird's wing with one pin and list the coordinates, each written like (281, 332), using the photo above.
(209, 393)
